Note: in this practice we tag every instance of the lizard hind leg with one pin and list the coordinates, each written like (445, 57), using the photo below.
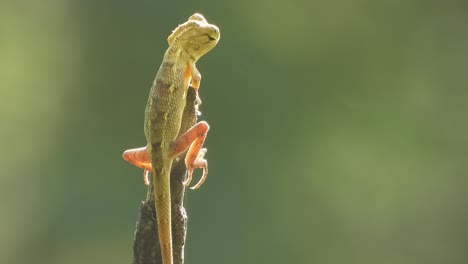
(193, 140)
(139, 157)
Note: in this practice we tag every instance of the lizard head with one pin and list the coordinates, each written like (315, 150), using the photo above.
(196, 36)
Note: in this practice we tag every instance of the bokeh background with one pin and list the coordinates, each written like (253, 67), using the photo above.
(338, 130)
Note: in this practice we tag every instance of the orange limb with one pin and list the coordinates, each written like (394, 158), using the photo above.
(140, 158)
(193, 140)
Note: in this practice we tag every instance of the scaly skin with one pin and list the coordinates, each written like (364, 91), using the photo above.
(163, 117)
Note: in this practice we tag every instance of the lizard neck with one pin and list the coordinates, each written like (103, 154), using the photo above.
(176, 53)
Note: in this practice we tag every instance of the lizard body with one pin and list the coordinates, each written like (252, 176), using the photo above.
(163, 118)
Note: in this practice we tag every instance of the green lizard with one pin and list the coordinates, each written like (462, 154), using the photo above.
(163, 117)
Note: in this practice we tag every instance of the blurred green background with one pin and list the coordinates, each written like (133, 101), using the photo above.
(338, 130)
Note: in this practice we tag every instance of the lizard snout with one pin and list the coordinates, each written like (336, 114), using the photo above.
(215, 35)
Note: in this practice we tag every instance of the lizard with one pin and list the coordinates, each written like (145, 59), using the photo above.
(163, 118)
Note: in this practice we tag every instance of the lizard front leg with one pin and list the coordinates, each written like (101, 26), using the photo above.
(196, 77)
(193, 140)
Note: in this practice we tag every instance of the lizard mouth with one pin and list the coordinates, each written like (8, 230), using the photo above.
(210, 38)
(214, 35)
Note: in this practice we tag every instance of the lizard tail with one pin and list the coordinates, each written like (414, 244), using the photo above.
(162, 198)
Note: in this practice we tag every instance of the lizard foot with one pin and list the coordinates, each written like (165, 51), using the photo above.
(199, 162)
(193, 140)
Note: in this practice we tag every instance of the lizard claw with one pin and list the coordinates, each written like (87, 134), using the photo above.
(202, 179)
(200, 162)
(189, 178)
(146, 177)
